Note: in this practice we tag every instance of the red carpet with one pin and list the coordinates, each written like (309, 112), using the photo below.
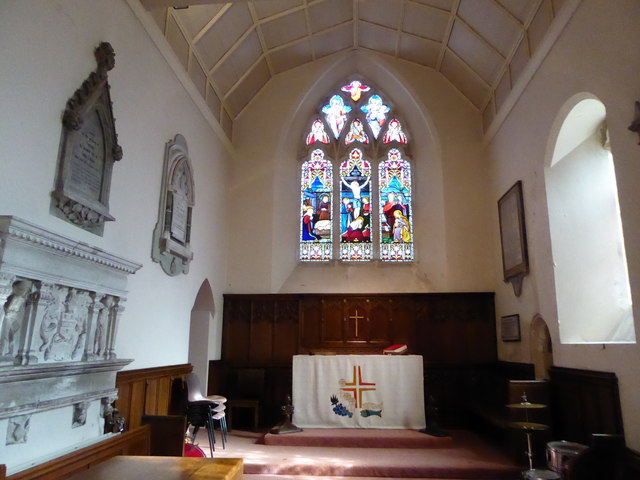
(463, 456)
(358, 438)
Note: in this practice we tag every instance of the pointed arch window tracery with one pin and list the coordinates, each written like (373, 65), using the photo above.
(357, 133)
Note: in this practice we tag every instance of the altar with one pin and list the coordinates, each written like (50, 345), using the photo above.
(358, 391)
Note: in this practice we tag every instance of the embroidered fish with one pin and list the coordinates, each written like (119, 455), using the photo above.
(368, 413)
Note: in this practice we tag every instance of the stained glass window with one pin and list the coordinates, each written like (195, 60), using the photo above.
(317, 133)
(376, 113)
(373, 217)
(335, 113)
(394, 132)
(316, 199)
(396, 229)
(355, 208)
(356, 133)
(356, 89)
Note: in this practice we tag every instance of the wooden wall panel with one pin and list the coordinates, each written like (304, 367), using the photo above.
(136, 407)
(332, 320)
(403, 327)
(380, 315)
(310, 323)
(147, 391)
(457, 327)
(151, 397)
(285, 331)
(236, 331)
(584, 402)
(261, 331)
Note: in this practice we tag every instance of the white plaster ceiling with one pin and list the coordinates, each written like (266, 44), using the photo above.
(232, 49)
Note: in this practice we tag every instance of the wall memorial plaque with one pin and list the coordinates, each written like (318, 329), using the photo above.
(171, 237)
(88, 150)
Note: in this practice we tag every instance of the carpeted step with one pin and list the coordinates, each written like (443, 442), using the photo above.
(358, 438)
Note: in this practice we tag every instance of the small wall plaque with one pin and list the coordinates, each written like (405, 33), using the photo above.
(171, 237)
(510, 328)
(88, 149)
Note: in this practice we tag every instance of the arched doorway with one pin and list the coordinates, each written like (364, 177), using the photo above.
(200, 330)
(541, 348)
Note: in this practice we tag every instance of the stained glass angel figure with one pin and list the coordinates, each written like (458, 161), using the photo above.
(394, 133)
(356, 133)
(317, 133)
(336, 114)
(376, 113)
(355, 89)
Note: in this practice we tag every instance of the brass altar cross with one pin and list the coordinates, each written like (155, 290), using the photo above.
(356, 317)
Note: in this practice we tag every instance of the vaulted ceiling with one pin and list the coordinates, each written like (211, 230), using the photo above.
(232, 49)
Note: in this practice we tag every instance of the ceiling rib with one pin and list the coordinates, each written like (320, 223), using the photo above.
(399, 29)
(263, 43)
(480, 38)
(243, 76)
(354, 18)
(307, 20)
(233, 48)
(509, 14)
(211, 23)
(447, 35)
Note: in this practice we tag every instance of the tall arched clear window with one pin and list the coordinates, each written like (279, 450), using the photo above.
(593, 296)
(357, 128)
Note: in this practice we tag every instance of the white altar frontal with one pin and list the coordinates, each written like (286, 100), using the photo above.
(358, 391)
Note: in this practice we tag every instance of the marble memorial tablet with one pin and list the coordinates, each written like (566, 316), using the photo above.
(171, 237)
(88, 158)
(88, 150)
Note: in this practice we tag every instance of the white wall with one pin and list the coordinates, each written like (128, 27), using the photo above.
(449, 215)
(47, 52)
(596, 54)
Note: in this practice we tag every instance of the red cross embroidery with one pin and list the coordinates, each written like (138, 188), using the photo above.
(358, 386)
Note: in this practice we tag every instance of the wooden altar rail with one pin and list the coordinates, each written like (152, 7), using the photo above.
(148, 391)
(134, 442)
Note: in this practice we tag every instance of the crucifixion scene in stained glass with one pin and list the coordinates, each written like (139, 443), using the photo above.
(355, 208)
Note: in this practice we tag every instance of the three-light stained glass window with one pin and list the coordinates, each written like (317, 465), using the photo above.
(356, 132)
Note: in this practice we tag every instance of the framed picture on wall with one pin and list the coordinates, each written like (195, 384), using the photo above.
(515, 259)
(510, 328)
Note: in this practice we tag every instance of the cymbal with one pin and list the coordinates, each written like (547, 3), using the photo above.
(526, 405)
(529, 425)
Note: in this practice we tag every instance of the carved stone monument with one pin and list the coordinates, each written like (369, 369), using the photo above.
(172, 234)
(60, 305)
(88, 149)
